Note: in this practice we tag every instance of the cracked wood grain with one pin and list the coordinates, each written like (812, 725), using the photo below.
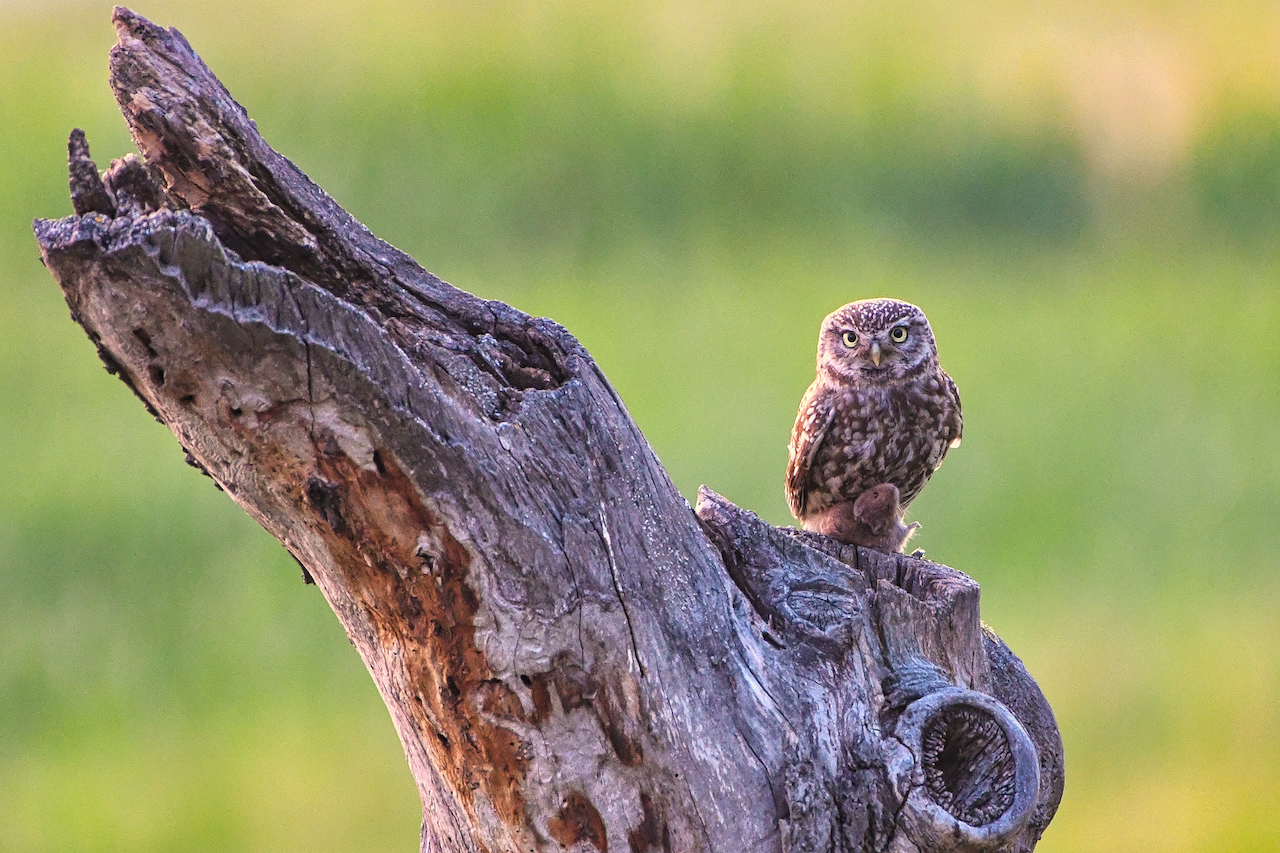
(572, 657)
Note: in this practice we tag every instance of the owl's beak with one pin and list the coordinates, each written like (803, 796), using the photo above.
(875, 353)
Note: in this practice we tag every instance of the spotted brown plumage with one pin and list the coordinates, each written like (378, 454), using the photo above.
(881, 410)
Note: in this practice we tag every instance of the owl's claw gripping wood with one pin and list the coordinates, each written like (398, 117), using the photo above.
(880, 412)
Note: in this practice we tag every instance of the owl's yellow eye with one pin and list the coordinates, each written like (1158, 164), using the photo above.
(899, 334)
(850, 339)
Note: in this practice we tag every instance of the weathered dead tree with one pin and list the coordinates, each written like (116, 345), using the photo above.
(572, 657)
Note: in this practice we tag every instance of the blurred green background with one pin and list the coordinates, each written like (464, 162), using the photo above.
(1084, 197)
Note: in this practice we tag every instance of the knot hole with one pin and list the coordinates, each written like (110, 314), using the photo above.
(969, 767)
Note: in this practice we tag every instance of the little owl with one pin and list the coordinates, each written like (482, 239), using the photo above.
(873, 426)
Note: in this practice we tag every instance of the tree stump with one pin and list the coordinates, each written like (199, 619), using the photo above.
(574, 659)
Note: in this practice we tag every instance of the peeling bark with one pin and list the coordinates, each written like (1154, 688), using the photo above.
(572, 657)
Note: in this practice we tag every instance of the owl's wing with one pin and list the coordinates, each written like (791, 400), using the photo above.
(954, 426)
(816, 413)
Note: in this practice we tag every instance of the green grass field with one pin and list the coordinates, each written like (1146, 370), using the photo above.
(1085, 199)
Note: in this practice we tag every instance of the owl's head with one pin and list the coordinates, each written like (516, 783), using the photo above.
(875, 342)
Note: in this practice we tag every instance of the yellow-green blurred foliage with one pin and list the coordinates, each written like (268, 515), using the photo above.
(1084, 197)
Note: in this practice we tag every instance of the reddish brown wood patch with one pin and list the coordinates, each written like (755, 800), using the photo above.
(578, 688)
(409, 574)
(578, 821)
(652, 832)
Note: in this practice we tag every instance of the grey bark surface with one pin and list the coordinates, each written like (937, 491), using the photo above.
(572, 656)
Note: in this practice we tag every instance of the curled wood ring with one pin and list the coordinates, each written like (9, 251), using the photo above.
(976, 776)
